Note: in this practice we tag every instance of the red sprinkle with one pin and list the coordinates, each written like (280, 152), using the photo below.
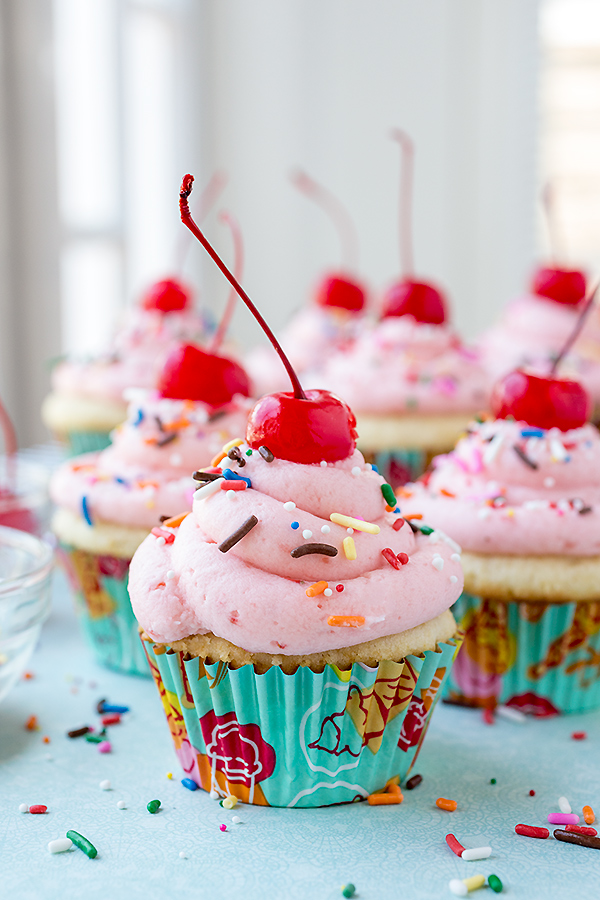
(38, 809)
(167, 535)
(390, 556)
(402, 558)
(579, 735)
(531, 831)
(454, 845)
(233, 485)
(581, 829)
(339, 587)
(111, 719)
(398, 523)
(488, 716)
(532, 793)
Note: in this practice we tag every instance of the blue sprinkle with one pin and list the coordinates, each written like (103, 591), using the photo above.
(397, 510)
(189, 783)
(233, 476)
(532, 432)
(140, 417)
(374, 468)
(85, 510)
(111, 708)
(295, 525)
(121, 481)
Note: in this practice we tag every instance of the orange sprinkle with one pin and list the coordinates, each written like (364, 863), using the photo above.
(346, 621)
(402, 492)
(588, 815)
(175, 521)
(46, 739)
(413, 516)
(389, 508)
(28, 676)
(217, 459)
(442, 803)
(32, 723)
(146, 483)
(395, 790)
(447, 493)
(384, 799)
(176, 426)
(150, 441)
(158, 651)
(317, 588)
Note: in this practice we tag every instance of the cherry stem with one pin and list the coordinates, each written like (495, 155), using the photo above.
(186, 218)
(549, 207)
(238, 267)
(336, 211)
(407, 148)
(206, 201)
(587, 308)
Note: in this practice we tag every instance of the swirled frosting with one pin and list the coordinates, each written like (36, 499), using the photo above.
(508, 488)
(254, 594)
(402, 366)
(146, 472)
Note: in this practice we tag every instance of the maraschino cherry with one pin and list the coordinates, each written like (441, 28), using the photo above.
(191, 373)
(338, 289)
(303, 427)
(562, 285)
(409, 297)
(545, 401)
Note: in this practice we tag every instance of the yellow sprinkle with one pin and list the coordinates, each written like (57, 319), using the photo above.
(357, 524)
(150, 504)
(317, 588)
(349, 548)
(169, 775)
(474, 882)
(234, 443)
(510, 512)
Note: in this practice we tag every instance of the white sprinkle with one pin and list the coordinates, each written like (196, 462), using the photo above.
(535, 504)
(491, 451)
(306, 534)
(564, 805)
(160, 541)
(578, 503)
(356, 470)
(453, 579)
(182, 855)
(23, 807)
(49, 758)
(236, 820)
(176, 459)
(323, 464)
(350, 530)
(458, 888)
(455, 557)
(208, 490)
(214, 795)
(325, 529)
(170, 575)
(513, 715)
(438, 563)
(558, 450)
(289, 506)
(230, 495)
(477, 853)
(60, 845)
(549, 482)
(484, 513)
(328, 592)
(121, 805)
(105, 785)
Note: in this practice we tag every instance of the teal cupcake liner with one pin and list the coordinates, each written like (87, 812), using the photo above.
(541, 658)
(86, 441)
(102, 604)
(302, 740)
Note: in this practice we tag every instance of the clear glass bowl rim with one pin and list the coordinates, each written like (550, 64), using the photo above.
(40, 552)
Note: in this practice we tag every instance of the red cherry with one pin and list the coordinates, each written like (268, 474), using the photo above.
(167, 296)
(193, 374)
(544, 402)
(424, 302)
(565, 286)
(340, 292)
(321, 426)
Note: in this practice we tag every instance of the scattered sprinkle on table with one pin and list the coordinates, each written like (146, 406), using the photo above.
(413, 782)
(189, 783)
(236, 820)
(82, 842)
(579, 735)
(348, 890)
(104, 747)
(495, 883)
(38, 809)
(532, 832)
(153, 806)
(223, 827)
(443, 803)
(60, 845)
(121, 804)
(105, 785)
(583, 840)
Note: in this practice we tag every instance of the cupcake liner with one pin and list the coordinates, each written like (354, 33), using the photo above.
(303, 740)
(103, 607)
(398, 467)
(86, 441)
(541, 658)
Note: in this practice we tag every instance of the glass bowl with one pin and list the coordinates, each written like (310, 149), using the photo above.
(25, 569)
(24, 499)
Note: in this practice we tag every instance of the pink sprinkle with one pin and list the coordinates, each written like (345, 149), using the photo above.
(106, 747)
(563, 818)
(488, 716)
(163, 533)
(445, 385)
(222, 827)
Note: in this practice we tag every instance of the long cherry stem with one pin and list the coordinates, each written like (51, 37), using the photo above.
(206, 201)
(407, 148)
(549, 207)
(238, 268)
(336, 211)
(587, 308)
(186, 218)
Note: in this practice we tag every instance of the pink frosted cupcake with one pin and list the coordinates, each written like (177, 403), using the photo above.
(109, 501)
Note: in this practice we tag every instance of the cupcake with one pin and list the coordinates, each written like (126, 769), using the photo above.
(87, 398)
(110, 500)
(297, 628)
(521, 494)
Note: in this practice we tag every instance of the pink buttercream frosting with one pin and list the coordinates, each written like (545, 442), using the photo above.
(402, 366)
(141, 346)
(492, 500)
(531, 333)
(254, 594)
(146, 472)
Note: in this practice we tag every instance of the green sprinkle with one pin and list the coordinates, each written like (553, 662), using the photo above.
(388, 494)
(153, 806)
(80, 841)
(495, 883)
(492, 781)
(425, 529)
(248, 452)
(348, 890)
(94, 738)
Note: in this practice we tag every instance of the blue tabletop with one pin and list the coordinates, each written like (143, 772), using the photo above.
(386, 852)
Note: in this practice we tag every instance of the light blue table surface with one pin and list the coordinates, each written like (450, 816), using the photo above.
(387, 852)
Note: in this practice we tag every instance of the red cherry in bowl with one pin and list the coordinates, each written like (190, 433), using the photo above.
(543, 402)
(340, 292)
(424, 302)
(321, 426)
(566, 286)
(166, 296)
(193, 374)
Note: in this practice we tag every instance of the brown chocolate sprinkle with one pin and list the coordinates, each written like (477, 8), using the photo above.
(584, 510)
(306, 549)
(234, 453)
(205, 476)
(78, 732)
(159, 423)
(217, 415)
(413, 528)
(413, 782)
(584, 840)
(266, 454)
(523, 456)
(237, 535)
(167, 439)
(164, 518)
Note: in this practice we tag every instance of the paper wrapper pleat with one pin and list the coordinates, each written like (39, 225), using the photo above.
(308, 739)
(86, 441)
(99, 584)
(542, 658)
